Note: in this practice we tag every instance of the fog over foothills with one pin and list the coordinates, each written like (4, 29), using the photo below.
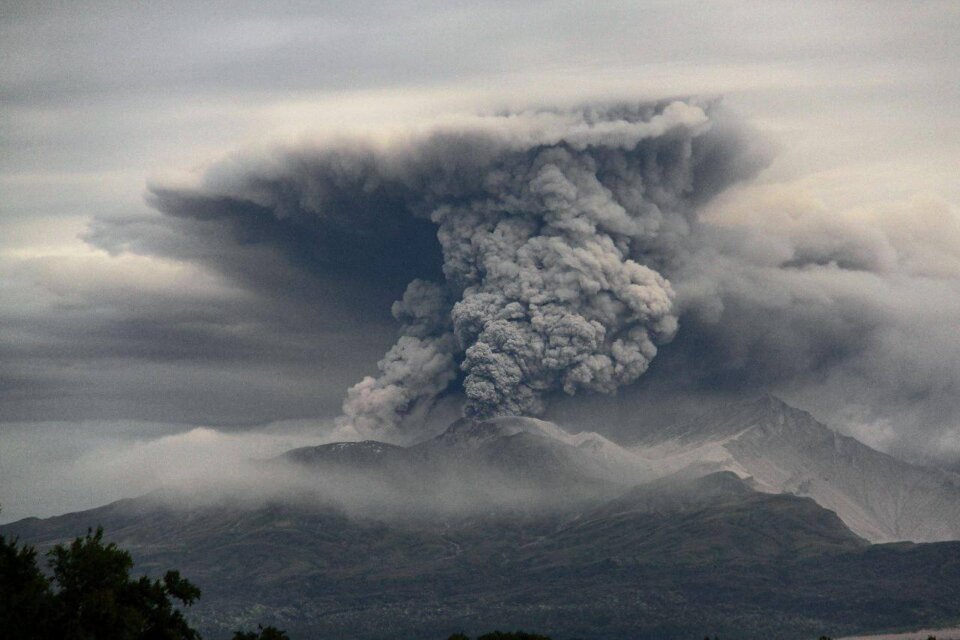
(207, 213)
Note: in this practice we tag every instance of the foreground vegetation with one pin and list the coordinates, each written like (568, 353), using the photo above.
(86, 592)
(90, 595)
(499, 635)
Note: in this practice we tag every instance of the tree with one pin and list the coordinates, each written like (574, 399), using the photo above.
(265, 633)
(97, 598)
(25, 595)
(500, 635)
(90, 596)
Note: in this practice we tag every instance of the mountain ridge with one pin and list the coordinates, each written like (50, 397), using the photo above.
(665, 560)
(784, 449)
(775, 447)
(515, 522)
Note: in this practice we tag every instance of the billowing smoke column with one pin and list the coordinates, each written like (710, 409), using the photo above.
(549, 224)
(536, 247)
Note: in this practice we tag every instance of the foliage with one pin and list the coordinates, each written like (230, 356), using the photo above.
(25, 596)
(265, 633)
(500, 635)
(90, 596)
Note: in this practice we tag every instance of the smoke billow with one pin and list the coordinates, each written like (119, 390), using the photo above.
(548, 224)
(417, 368)
(535, 247)
(555, 252)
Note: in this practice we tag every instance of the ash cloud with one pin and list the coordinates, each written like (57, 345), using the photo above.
(529, 256)
(852, 314)
(534, 245)
(547, 222)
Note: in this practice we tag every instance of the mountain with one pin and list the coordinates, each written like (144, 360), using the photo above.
(514, 523)
(671, 559)
(511, 444)
(785, 450)
(505, 464)
(522, 462)
(775, 447)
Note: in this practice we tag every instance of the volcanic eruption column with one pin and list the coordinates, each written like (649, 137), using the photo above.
(549, 224)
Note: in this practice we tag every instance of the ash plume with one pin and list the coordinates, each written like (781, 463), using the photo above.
(535, 247)
(550, 251)
(549, 224)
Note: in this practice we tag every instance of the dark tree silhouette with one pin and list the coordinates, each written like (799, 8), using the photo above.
(98, 599)
(500, 635)
(90, 596)
(25, 596)
(265, 633)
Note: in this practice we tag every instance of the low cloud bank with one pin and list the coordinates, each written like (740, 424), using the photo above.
(50, 468)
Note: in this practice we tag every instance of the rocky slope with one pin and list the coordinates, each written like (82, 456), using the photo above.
(777, 448)
(783, 449)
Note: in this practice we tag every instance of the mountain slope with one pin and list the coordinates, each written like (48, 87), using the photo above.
(586, 454)
(780, 449)
(506, 464)
(668, 560)
(783, 449)
(514, 522)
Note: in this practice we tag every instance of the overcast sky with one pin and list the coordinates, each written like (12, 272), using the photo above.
(109, 320)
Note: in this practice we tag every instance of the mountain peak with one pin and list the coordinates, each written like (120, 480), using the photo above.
(774, 405)
(718, 423)
(348, 453)
(705, 488)
(467, 432)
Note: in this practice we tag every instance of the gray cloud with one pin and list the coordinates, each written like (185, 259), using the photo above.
(546, 221)
(69, 468)
(218, 320)
(848, 313)
(166, 340)
(851, 314)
